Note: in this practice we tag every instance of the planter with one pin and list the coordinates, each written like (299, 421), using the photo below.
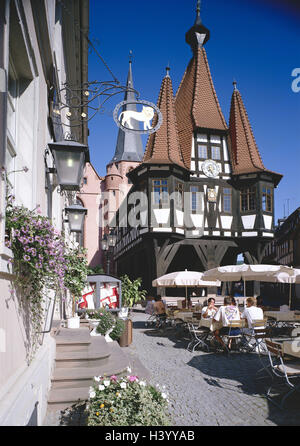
(123, 314)
(73, 322)
(94, 322)
(107, 337)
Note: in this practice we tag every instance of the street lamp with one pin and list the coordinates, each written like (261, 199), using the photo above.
(69, 158)
(76, 214)
(104, 243)
(109, 241)
(112, 239)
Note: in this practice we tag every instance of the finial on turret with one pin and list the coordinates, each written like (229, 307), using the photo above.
(198, 10)
(198, 35)
(130, 56)
(234, 85)
(168, 69)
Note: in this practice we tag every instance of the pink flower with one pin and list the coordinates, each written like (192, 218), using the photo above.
(113, 378)
(132, 378)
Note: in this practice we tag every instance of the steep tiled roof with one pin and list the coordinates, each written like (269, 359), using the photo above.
(196, 103)
(245, 155)
(163, 146)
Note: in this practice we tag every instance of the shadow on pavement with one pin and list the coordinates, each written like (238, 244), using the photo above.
(237, 373)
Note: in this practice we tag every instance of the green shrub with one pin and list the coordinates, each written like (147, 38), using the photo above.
(131, 292)
(118, 330)
(107, 321)
(126, 402)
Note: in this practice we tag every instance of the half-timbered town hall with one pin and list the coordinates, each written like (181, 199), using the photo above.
(209, 195)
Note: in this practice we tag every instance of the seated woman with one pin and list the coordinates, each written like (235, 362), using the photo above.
(226, 314)
(210, 310)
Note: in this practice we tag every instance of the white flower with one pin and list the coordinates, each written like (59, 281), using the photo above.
(92, 394)
(164, 396)
(106, 383)
(97, 378)
(123, 385)
(101, 387)
(129, 370)
(142, 383)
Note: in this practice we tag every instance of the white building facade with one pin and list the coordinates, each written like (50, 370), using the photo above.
(42, 45)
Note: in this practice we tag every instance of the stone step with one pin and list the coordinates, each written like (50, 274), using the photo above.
(77, 377)
(96, 354)
(61, 399)
(75, 339)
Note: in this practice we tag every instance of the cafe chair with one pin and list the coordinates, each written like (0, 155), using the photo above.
(285, 374)
(254, 337)
(198, 337)
(231, 337)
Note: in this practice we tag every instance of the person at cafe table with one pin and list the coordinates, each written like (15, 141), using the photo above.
(252, 312)
(226, 314)
(210, 310)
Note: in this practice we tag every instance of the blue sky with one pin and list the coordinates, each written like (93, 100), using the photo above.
(256, 42)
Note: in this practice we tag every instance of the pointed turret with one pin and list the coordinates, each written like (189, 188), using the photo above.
(196, 103)
(129, 145)
(245, 156)
(163, 146)
(198, 35)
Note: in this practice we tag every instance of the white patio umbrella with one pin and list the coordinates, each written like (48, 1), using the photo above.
(184, 279)
(260, 273)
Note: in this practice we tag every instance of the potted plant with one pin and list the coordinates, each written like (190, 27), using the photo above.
(75, 279)
(106, 325)
(117, 330)
(131, 293)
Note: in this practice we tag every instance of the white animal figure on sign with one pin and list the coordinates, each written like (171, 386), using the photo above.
(146, 116)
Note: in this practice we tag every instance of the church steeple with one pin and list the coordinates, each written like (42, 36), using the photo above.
(129, 145)
(198, 35)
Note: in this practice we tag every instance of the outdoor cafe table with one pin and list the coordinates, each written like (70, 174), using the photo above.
(291, 347)
(283, 316)
(183, 315)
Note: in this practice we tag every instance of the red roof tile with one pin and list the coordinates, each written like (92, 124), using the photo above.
(163, 146)
(196, 103)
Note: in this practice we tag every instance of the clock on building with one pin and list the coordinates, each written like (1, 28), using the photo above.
(210, 168)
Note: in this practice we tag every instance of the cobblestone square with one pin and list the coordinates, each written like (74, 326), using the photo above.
(207, 389)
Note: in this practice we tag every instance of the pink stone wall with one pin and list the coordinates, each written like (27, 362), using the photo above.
(90, 194)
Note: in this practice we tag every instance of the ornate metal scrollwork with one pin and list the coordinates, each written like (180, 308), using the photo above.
(80, 104)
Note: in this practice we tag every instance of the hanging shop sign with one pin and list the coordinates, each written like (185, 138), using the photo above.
(138, 117)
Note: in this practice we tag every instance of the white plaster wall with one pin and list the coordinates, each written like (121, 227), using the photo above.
(268, 221)
(28, 388)
(22, 385)
(248, 221)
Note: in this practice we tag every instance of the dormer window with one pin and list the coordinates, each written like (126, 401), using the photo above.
(202, 151)
(248, 199)
(160, 191)
(267, 202)
(215, 153)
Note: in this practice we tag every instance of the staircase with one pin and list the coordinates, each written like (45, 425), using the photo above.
(80, 357)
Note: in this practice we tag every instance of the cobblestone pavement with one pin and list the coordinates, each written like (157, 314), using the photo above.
(208, 389)
(204, 389)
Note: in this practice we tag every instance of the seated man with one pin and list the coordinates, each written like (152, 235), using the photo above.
(252, 313)
(210, 310)
(226, 314)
